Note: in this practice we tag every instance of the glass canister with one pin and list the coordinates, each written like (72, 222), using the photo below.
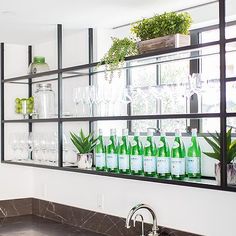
(44, 101)
(38, 65)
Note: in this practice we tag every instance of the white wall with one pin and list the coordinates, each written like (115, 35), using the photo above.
(206, 212)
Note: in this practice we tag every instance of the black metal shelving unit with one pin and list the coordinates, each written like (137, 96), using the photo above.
(66, 73)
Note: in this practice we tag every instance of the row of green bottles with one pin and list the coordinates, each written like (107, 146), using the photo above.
(149, 159)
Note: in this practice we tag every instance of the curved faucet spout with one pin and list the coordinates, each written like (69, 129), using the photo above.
(138, 207)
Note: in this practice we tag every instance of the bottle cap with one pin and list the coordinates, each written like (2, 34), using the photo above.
(150, 132)
(39, 60)
(194, 132)
(112, 131)
(136, 132)
(100, 132)
(125, 132)
(177, 133)
(163, 133)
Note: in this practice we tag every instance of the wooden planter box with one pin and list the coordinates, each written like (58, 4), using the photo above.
(170, 41)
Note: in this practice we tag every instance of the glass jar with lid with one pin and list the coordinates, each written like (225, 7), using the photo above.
(44, 101)
(38, 65)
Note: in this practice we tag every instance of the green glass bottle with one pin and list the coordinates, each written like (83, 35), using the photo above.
(111, 152)
(163, 157)
(100, 156)
(136, 155)
(194, 157)
(124, 153)
(149, 157)
(178, 157)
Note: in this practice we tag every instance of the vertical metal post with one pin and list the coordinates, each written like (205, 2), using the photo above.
(194, 99)
(129, 108)
(30, 126)
(60, 125)
(90, 51)
(223, 119)
(2, 104)
(30, 80)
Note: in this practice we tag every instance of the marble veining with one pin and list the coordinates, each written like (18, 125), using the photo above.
(81, 219)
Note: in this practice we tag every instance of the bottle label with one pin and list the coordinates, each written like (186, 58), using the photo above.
(111, 161)
(100, 160)
(177, 166)
(136, 163)
(123, 162)
(149, 164)
(163, 165)
(193, 165)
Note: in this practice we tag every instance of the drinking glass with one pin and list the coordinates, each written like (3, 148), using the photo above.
(107, 95)
(92, 97)
(77, 98)
(98, 100)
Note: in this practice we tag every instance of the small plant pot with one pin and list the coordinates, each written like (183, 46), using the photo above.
(85, 160)
(231, 173)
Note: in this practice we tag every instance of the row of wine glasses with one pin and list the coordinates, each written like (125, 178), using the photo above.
(104, 100)
(112, 100)
(41, 148)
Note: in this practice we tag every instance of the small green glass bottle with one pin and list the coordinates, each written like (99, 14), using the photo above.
(100, 156)
(194, 157)
(163, 157)
(111, 152)
(124, 153)
(149, 157)
(178, 158)
(136, 155)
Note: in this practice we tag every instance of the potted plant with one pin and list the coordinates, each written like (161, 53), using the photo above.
(115, 57)
(85, 146)
(168, 30)
(214, 142)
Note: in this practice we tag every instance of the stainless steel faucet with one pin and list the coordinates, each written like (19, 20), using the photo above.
(155, 229)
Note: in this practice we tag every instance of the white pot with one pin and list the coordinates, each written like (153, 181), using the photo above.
(85, 160)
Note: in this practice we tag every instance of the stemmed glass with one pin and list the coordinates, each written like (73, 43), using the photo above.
(107, 95)
(126, 97)
(92, 97)
(78, 99)
(98, 100)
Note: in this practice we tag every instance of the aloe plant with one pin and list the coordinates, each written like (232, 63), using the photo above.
(215, 144)
(84, 144)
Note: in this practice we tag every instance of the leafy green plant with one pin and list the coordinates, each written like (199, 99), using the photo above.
(215, 144)
(162, 25)
(115, 56)
(84, 144)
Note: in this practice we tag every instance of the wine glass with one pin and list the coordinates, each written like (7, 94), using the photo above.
(92, 96)
(77, 98)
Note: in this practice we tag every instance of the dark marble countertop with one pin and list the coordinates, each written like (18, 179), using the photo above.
(36, 226)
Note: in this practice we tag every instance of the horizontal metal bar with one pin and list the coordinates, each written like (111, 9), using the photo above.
(31, 120)
(140, 56)
(231, 114)
(134, 117)
(230, 79)
(231, 40)
(188, 183)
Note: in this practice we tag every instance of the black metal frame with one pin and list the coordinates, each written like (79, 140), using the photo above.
(223, 115)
